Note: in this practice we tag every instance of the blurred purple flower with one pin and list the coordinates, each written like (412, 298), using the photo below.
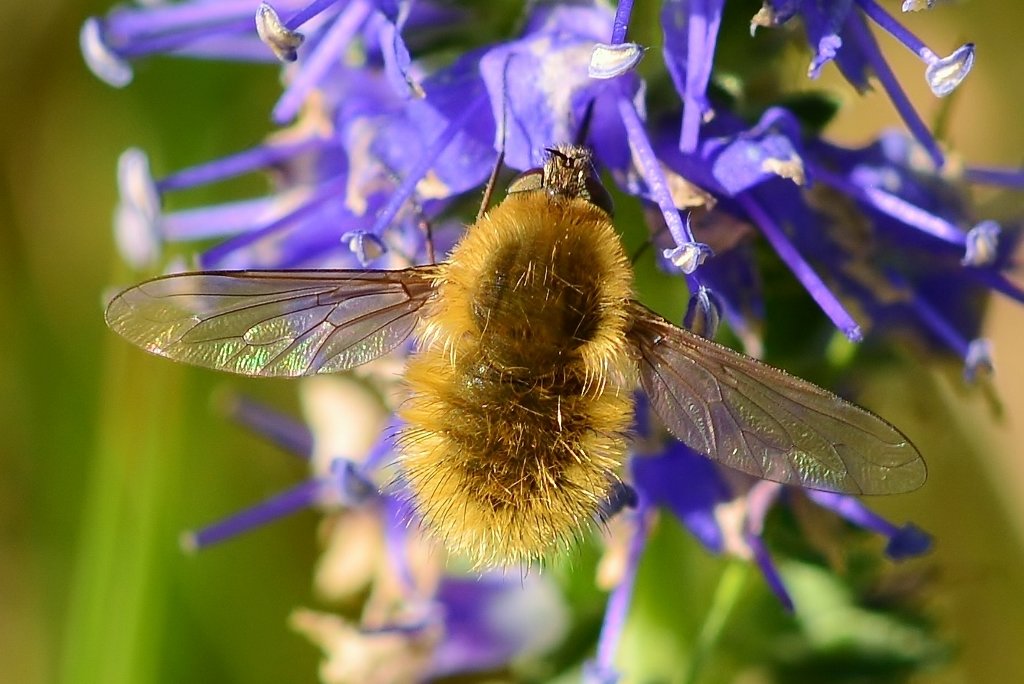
(419, 622)
(469, 625)
(726, 511)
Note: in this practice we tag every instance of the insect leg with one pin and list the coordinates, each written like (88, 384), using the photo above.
(503, 128)
(491, 181)
(424, 224)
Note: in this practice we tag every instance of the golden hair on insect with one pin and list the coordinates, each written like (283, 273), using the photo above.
(520, 392)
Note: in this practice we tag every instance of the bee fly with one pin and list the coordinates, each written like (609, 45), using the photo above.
(530, 345)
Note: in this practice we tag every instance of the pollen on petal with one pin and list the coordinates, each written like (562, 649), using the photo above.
(791, 168)
(688, 256)
(137, 217)
(365, 245)
(279, 38)
(100, 58)
(944, 75)
(982, 244)
(609, 61)
(978, 358)
(917, 5)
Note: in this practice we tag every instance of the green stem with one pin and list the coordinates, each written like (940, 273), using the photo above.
(727, 595)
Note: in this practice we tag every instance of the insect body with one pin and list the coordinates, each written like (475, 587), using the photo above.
(530, 344)
(522, 391)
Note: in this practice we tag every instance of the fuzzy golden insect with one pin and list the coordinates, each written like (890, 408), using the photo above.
(530, 345)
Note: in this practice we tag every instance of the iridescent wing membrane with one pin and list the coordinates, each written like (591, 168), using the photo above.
(734, 409)
(273, 323)
(750, 416)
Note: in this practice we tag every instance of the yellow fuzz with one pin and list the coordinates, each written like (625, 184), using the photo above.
(520, 393)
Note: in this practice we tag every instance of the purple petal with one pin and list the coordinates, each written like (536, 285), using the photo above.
(532, 98)
(649, 167)
(537, 83)
(298, 498)
(623, 11)
(465, 164)
(762, 153)
(618, 603)
(904, 541)
(427, 160)
(908, 541)
(687, 484)
(811, 281)
(823, 23)
(319, 62)
(490, 619)
(869, 48)
(690, 33)
(397, 61)
(769, 571)
(286, 432)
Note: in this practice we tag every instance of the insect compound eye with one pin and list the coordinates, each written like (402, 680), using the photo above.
(527, 181)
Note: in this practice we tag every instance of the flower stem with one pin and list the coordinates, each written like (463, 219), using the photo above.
(727, 596)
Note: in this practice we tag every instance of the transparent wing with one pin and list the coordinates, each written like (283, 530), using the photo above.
(761, 420)
(273, 323)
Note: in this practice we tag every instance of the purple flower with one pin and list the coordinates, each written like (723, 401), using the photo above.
(466, 626)
(871, 226)
(222, 30)
(726, 512)
(419, 619)
(838, 31)
(392, 112)
(690, 33)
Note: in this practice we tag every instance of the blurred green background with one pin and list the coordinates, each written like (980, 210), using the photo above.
(106, 454)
